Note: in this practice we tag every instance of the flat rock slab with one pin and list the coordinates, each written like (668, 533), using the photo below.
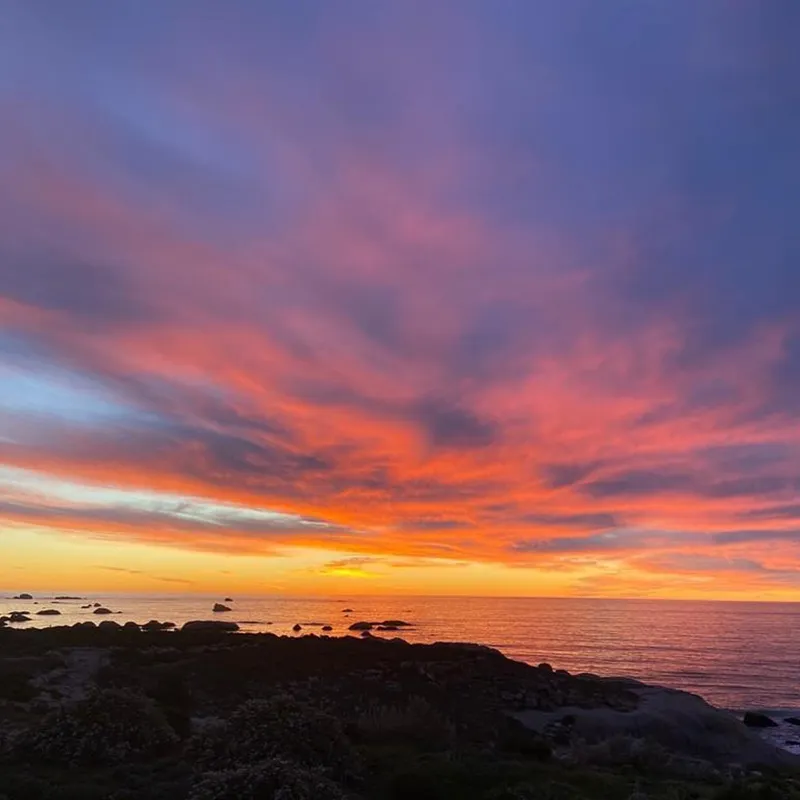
(680, 722)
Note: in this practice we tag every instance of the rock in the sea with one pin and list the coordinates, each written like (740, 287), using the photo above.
(327, 628)
(365, 634)
(297, 627)
(347, 611)
(228, 599)
(388, 628)
(755, 720)
(109, 625)
(101, 610)
(218, 608)
(23, 596)
(18, 616)
(130, 626)
(396, 623)
(87, 606)
(209, 625)
(48, 612)
(96, 605)
(67, 597)
(793, 720)
(361, 626)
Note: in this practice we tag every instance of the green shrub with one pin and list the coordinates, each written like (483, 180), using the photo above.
(278, 727)
(622, 751)
(417, 721)
(108, 727)
(274, 779)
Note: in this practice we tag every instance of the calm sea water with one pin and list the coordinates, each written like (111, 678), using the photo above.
(736, 655)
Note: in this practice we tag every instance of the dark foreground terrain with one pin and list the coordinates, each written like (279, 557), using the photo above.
(207, 715)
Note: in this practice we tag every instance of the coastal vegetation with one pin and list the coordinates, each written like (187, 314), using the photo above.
(201, 714)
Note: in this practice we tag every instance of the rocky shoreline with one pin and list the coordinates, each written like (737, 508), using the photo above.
(149, 712)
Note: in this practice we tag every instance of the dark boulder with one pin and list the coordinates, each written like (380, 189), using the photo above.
(130, 626)
(109, 625)
(153, 625)
(327, 628)
(48, 612)
(545, 667)
(228, 599)
(396, 623)
(366, 635)
(23, 596)
(792, 720)
(87, 606)
(347, 611)
(96, 605)
(209, 625)
(18, 616)
(297, 627)
(102, 610)
(755, 720)
(361, 626)
(219, 608)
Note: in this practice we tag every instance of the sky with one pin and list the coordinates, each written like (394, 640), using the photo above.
(441, 297)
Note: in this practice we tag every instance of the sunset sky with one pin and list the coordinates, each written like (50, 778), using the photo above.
(366, 296)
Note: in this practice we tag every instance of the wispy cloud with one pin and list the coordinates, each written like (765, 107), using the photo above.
(146, 574)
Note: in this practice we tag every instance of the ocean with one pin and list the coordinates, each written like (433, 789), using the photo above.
(736, 655)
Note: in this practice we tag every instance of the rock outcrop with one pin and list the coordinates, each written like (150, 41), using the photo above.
(678, 722)
(210, 625)
(101, 610)
(219, 608)
(48, 612)
(755, 720)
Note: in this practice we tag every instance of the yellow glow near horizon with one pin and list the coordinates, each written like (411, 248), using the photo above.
(41, 560)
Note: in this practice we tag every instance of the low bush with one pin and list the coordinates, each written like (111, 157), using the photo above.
(273, 779)
(110, 726)
(278, 727)
(416, 722)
